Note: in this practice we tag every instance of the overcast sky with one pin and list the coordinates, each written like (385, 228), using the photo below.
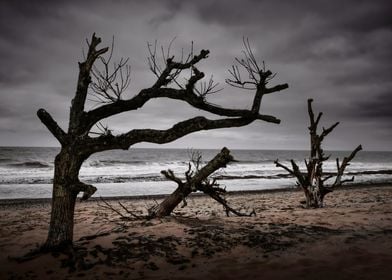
(337, 52)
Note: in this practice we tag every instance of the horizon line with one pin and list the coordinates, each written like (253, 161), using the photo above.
(188, 148)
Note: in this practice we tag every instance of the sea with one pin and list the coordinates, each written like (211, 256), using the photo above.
(27, 172)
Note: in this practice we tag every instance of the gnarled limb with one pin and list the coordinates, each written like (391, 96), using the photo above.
(124, 141)
(86, 189)
(84, 80)
(342, 168)
(276, 88)
(215, 192)
(171, 65)
(192, 99)
(188, 93)
(52, 126)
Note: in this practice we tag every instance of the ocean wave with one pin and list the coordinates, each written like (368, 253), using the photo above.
(29, 181)
(247, 177)
(101, 163)
(30, 164)
(258, 161)
(287, 175)
(86, 179)
(371, 172)
(122, 179)
(92, 179)
(109, 163)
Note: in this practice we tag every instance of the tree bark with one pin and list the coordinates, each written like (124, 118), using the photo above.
(192, 184)
(61, 226)
(166, 207)
(314, 197)
(65, 191)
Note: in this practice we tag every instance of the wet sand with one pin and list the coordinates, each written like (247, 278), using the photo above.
(351, 238)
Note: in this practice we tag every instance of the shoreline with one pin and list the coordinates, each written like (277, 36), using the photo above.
(14, 201)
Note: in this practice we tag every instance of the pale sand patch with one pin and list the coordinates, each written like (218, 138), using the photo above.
(350, 237)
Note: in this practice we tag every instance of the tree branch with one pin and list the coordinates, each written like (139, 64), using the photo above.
(328, 130)
(276, 88)
(169, 174)
(189, 93)
(52, 125)
(318, 118)
(84, 80)
(298, 174)
(191, 98)
(342, 167)
(124, 141)
(194, 79)
(310, 112)
(278, 164)
(165, 77)
(88, 190)
(110, 84)
(214, 194)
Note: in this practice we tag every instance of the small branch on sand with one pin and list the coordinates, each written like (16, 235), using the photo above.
(130, 216)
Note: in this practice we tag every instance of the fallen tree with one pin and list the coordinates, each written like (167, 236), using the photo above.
(312, 181)
(197, 179)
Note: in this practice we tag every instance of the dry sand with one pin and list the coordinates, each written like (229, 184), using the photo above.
(351, 238)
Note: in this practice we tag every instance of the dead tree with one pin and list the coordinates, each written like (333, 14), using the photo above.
(107, 85)
(196, 179)
(312, 181)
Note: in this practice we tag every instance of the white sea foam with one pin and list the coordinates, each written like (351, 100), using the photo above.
(28, 172)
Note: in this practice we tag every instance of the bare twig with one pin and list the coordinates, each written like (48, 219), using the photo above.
(131, 215)
(110, 83)
(103, 130)
(249, 64)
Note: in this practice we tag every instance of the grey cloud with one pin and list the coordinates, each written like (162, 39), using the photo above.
(337, 52)
(376, 108)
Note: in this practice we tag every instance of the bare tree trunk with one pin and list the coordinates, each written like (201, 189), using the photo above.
(314, 197)
(65, 190)
(62, 218)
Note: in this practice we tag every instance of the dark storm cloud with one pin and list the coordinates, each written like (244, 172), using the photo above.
(378, 108)
(337, 52)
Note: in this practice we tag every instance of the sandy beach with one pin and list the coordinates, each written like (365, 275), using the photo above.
(350, 238)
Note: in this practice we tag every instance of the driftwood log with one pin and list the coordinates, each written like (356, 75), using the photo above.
(197, 180)
(313, 180)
